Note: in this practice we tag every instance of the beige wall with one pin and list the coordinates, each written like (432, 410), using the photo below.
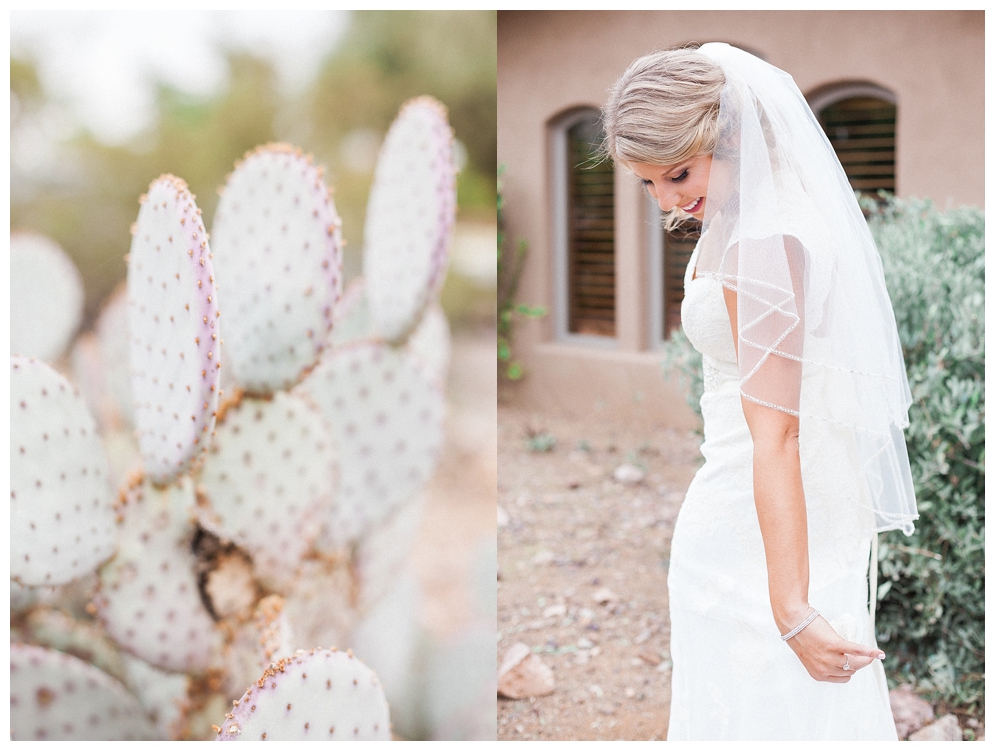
(548, 62)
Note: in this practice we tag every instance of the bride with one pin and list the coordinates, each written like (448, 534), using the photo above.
(805, 400)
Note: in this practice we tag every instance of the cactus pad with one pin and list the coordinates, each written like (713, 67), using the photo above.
(387, 417)
(315, 695)
(460, 689)
(352, 315)
(263, 639)
(61, 512)
(409, 217)
(175, 339)
(278, 248)
(149, 600)
(111, 330)
(164, 695)
(56, 630)
(55, 696)
(320, 606)
(383, 551)
(269, 467)
(46, 297)
(388, 640)
(431, 343)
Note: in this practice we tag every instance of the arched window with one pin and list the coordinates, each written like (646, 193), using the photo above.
(584, 221)
(859, 120)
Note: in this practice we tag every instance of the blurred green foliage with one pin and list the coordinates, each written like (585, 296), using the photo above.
(540, 443)
(931, 595)
(683, 361)
(89, 201)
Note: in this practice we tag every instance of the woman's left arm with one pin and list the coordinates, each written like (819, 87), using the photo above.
(780, 501)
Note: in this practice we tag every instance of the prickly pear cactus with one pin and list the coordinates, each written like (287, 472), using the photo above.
(247, 530)
(268, 469)
(388, 418)
(260, 641)
(318, 694)
(88, 374)
(114, 342)
(61, 513)
(320, 606)
(381, 555)
(162, 694)
(40, 273)
(278, 246)
(175, 336)
(352, 315)
(430, 343)
(460, 685)
(388, 640)
(58, 697)
(149, 600)
(57, 630)
(409, 217)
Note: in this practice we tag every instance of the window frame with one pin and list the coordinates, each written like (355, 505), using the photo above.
(656, 247)
(833, 93)
(657, 268)
(826, 96)
(559, 143)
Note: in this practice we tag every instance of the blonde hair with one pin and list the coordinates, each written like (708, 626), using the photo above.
(662, 110)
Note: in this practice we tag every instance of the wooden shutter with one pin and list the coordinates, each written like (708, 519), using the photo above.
(678, 245)
(591, 232)
(862, 131)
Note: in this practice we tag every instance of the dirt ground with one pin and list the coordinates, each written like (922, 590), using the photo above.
(582, 571)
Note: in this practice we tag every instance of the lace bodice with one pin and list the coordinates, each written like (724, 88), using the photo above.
(705, 321)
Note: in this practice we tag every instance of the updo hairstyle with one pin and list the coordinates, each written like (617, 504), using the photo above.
(663, 109)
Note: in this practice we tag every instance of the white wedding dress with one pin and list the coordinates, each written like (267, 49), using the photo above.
(733, 677)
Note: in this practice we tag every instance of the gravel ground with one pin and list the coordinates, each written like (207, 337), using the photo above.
(582, 571)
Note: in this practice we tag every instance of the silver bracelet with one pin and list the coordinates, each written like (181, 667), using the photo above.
(800, 626)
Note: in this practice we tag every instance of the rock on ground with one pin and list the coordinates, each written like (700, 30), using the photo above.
(523, 674)
(911, 712)
(944, 729)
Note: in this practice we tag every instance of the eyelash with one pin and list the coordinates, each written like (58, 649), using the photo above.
(679, 179)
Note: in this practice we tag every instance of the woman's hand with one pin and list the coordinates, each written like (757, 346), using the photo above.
(823, 652)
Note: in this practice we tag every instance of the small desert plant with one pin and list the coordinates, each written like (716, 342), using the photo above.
(510, 266)
(540, 442)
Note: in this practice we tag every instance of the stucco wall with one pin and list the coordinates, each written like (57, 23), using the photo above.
(548, 62)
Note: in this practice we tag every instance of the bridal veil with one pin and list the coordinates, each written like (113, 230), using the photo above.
(817, 335)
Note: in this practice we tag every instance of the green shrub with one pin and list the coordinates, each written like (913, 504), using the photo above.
(931, 615)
